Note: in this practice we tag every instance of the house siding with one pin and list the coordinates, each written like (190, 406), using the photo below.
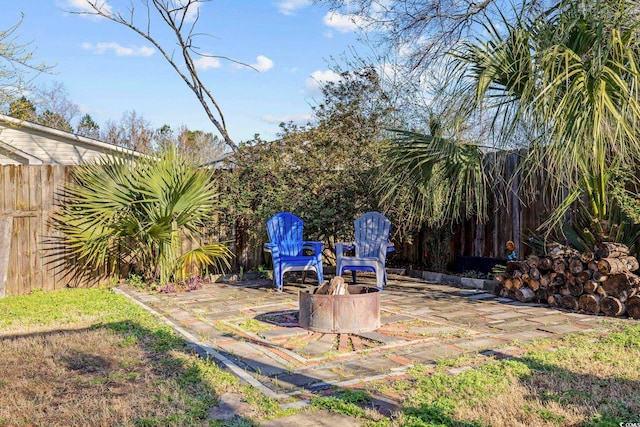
(48, 148)
(6, 160)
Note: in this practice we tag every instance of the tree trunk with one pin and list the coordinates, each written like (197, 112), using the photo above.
(508, 284)
(599, 277)
(584, 276)
(545, 281)
(617, 265)
(534, 273)
(576, 289)
(587, 257)
(516, 282)
(533, 284)
(554, 300)
(545, 263)
(559, 265)
(561, 251)
(533, 261)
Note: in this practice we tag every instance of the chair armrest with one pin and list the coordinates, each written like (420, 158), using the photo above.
(385, 248)
(344, 246)
(272, 248)
(316, 246)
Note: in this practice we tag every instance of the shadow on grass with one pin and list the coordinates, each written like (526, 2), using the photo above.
(547, 391)
(533, 390)
(76, 372)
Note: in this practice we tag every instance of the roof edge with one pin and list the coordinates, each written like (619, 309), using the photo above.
(68, 135)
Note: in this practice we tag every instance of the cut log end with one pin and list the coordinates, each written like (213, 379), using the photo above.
(589, 303)
(611, 306)
(633, 307)
(525, 294)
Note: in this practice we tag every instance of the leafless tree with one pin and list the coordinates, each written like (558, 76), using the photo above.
(18, 66)
(422, 30)
(133, 132)
(54, 99)
(181, 17)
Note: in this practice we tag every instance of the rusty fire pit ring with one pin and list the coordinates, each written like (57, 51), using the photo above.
(341, 314)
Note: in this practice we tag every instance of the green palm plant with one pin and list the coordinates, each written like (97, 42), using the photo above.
(570, 77)
(136, 212)
(429, 188)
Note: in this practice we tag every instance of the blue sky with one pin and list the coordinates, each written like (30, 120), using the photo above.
(108, 70)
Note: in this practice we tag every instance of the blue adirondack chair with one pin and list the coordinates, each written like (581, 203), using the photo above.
(286, 246)
(371, 246)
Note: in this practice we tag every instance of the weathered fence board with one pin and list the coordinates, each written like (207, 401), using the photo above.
(25, 205)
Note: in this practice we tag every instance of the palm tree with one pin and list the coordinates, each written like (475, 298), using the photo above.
(570, 76)
(124, 212)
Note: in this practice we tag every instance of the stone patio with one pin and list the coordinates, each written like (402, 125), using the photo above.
(253, 331)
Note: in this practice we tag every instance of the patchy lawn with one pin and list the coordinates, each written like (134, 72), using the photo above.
(583, 380)
(91, 358)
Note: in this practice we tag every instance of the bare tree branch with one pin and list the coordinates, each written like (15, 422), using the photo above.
(424, 29)
(181, 17)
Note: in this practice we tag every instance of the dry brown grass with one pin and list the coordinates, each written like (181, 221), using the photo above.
(86, 377)
(91, 358)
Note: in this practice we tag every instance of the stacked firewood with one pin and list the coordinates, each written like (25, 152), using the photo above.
(337, 286)
(598, 281)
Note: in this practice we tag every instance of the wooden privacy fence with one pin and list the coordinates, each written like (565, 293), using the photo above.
(26, 201)
(27, 194)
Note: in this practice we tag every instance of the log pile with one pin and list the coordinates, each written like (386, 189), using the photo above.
(598, 281)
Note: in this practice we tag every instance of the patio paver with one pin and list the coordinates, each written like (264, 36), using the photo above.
(422, 322)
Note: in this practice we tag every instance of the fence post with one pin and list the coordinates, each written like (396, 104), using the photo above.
(6, 226)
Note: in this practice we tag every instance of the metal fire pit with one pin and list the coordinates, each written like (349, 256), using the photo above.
(345, 314)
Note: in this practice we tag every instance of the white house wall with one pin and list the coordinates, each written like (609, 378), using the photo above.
(50, 149)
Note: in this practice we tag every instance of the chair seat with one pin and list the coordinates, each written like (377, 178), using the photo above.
(351, 260)
(287, 246)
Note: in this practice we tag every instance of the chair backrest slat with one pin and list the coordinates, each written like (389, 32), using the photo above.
(286, 230)
(371, 229)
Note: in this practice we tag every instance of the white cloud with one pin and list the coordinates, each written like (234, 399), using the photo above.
(192, 11)
(262, 63)
(207, 63)
(299, 119)
(319, 77)
(83, 5)
(289, 7)
(343, 23)
(118, 49)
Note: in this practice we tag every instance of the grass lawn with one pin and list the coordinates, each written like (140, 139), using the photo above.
(91, 358)
(582, 380)
(82, 357)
